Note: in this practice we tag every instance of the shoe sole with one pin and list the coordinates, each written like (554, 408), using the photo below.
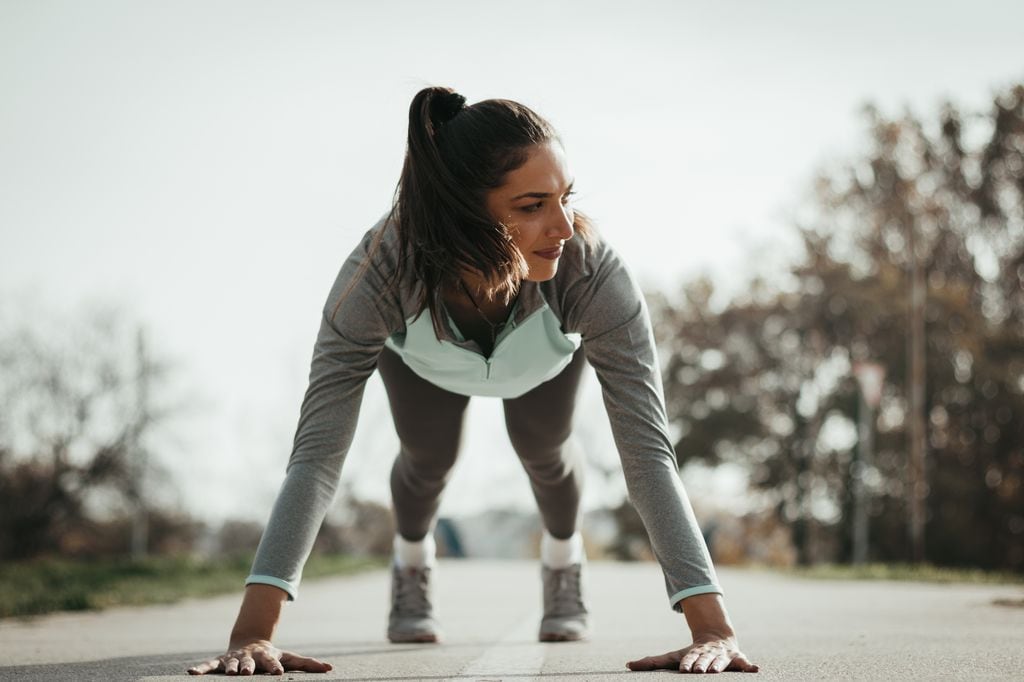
(425, 638)
(557, 637)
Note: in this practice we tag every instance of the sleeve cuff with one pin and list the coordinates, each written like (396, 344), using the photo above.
(676, 599)
(292, 590)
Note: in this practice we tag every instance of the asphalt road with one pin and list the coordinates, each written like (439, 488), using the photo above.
(793, 628)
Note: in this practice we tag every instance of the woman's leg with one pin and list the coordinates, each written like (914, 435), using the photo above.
(428, 420)
(539, 424)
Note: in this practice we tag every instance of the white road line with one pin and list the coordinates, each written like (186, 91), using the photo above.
(517, 653)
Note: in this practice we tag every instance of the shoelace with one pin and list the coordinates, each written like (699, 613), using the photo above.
(411, 591)
(564, 597)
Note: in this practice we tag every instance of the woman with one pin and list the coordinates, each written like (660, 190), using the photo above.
(482, 280)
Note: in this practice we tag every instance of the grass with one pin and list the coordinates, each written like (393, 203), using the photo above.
(910, 572)
(48, 585)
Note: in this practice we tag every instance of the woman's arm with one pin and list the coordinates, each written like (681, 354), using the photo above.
(713, 635)
(612, 317)
(714, 648)
(250, 649)
(357, 318)
(258, 615)
(619, 344)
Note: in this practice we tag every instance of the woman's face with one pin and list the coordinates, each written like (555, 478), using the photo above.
(534, 204)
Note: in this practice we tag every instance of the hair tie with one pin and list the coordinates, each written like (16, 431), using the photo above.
(444, 107)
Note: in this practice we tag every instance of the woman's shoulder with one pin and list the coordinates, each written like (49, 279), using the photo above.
(595, 291)
(367, 276)
(378, 250)
(586, 255)
(379, 244)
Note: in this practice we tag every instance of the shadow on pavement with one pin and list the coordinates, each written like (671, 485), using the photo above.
(135, 667)
(175, 665)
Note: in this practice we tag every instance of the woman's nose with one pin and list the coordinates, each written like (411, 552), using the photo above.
(562, 228)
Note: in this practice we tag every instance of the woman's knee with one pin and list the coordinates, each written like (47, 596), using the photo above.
(542, 418)
(550, 465)
(532, 431)
(424, 466)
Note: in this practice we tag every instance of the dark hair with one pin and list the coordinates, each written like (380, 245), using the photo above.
(455, 155)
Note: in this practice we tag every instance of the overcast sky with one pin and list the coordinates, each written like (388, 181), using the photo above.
(209, 164)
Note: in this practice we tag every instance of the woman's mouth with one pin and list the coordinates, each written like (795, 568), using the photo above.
(550, 254)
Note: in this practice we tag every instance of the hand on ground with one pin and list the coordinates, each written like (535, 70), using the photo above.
(258, 657)
(711, 656)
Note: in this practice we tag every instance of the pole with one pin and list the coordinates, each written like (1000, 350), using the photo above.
(140, 522)
(871, 380)
(917, 486)
(859, 504)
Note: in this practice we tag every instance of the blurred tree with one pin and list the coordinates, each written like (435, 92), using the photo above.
(75, 419)
(356, 526)
(237, 537)
(630, 542)
(766, 381)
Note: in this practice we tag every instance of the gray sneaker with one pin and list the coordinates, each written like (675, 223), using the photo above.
(412, 614)
(565, 616)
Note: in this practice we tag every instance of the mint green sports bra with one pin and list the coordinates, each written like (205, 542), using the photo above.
(525, 355)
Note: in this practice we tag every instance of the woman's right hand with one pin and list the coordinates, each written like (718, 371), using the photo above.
(258, 656)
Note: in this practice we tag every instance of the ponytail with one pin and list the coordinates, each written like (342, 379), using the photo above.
(455, 154)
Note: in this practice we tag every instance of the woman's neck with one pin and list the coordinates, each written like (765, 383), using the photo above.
(471, 292)
(478, 317)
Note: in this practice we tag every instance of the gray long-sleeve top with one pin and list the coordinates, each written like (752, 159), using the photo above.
(593, 294)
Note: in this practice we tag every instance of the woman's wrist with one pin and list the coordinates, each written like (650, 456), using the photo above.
(258, 615)
(706, 616)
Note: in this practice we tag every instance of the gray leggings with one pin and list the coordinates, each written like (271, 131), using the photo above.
(428, 420)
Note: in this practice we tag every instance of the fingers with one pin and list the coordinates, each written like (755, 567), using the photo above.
(292, 661)
(666, 661)
(719, 663)
(740, 662)
(246, 665)
(715, 659)
(211, 666)
(701, 656)
(689, 662)
(268, 662)
(252, 659)
(704, 662)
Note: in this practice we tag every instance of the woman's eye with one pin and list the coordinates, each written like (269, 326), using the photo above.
(533, 208)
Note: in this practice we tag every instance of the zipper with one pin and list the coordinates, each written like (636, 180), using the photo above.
(487, 360)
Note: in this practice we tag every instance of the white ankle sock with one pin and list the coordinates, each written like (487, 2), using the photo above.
(415, 554)
(555, 553)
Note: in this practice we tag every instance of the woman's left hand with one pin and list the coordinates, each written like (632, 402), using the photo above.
(707, 654)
